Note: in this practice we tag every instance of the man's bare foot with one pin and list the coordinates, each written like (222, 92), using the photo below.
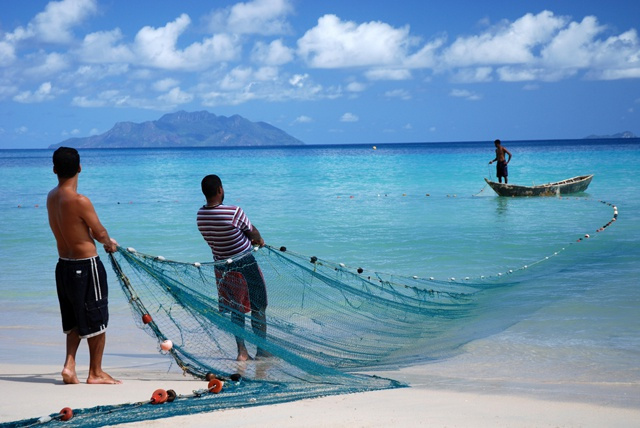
(104, 379)
(243, 356)
(69, 376)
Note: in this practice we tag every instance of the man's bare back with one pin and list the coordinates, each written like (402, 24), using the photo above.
(70, 214)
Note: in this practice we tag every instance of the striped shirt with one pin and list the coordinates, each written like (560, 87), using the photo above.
(223, 227)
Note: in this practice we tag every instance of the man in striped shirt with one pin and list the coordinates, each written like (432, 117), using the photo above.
(241, 286)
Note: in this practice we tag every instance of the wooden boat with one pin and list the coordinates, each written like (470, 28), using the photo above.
(564, 187)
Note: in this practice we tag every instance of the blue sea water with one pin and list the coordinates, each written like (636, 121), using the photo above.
(568, 327)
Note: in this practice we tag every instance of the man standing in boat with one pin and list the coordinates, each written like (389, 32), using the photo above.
(501, 166)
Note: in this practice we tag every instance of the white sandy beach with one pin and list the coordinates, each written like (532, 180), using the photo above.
(36, 390)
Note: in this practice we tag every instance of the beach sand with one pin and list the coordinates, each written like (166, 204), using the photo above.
(37, 390)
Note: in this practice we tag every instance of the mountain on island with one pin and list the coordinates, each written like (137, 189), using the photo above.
(184, 129)
(625, 134)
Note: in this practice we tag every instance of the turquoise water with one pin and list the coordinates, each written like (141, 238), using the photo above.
(568, 326)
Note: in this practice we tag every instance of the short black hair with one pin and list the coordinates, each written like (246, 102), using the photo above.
(66, 162)
(210, 185)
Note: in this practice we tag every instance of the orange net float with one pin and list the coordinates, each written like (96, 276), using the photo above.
(146, 318)
(66, 414)
(159, 396)
(215, 385)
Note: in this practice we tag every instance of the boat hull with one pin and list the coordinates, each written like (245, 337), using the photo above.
(564, 187)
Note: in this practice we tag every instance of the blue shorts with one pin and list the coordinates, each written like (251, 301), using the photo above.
(83, 296)
(501, 169)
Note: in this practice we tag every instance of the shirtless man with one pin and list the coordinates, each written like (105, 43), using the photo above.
(501, 166)
(81, 279)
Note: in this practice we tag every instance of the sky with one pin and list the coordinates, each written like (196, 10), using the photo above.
(326, 72)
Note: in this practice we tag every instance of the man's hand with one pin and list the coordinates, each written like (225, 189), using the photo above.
(112, 246)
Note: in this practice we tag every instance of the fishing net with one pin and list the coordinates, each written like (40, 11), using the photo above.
(327, 325)
(324, 320)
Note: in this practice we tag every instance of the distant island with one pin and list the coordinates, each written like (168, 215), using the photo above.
(184, 129)
(625, 134)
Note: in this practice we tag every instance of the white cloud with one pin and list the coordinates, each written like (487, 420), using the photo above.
(266, 17)
(337, 44)
(104, 47)
(55, 23)
(7, 53)
(303, 119)
(298, 79)
(388, 74)
(473, 75)
(463, 93)
(156, 47)
(510, 43)
(83, 101)
(356, 87)
(165, 84)
(43, 93)
(274, 53)
(52, 65)
(21, 130)
(349, 117)
(403, 94)
(176, 97)
(237, 78)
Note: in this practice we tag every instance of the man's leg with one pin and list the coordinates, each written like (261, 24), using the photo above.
(259, 325)
(96, 350)
(69, 375)
(238, 319)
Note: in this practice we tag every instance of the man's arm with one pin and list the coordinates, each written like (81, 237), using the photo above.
(96, 229)
(254, 235)
(509, 153)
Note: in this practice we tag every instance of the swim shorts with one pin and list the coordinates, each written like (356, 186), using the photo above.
(83, 296)
(501, 169)
(241, 286)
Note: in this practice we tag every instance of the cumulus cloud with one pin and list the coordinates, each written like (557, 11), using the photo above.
(388, 74)
(56, 22)
(52, 64)
(266, 17)
(402, 94)
(473, 75)
(349, 117)
(463, 93)
(165, 84)
(303, 119)
(7, 53)
(508, 43)
(43, 93)
(334, 43)
(356, 87)
(274, 53)
(175, 97)
(157, 47)
(105, 47)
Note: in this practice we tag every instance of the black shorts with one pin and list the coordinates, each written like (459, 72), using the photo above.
(501, 169)
(83, 296)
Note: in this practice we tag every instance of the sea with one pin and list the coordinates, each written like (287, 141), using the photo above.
(563, 324)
